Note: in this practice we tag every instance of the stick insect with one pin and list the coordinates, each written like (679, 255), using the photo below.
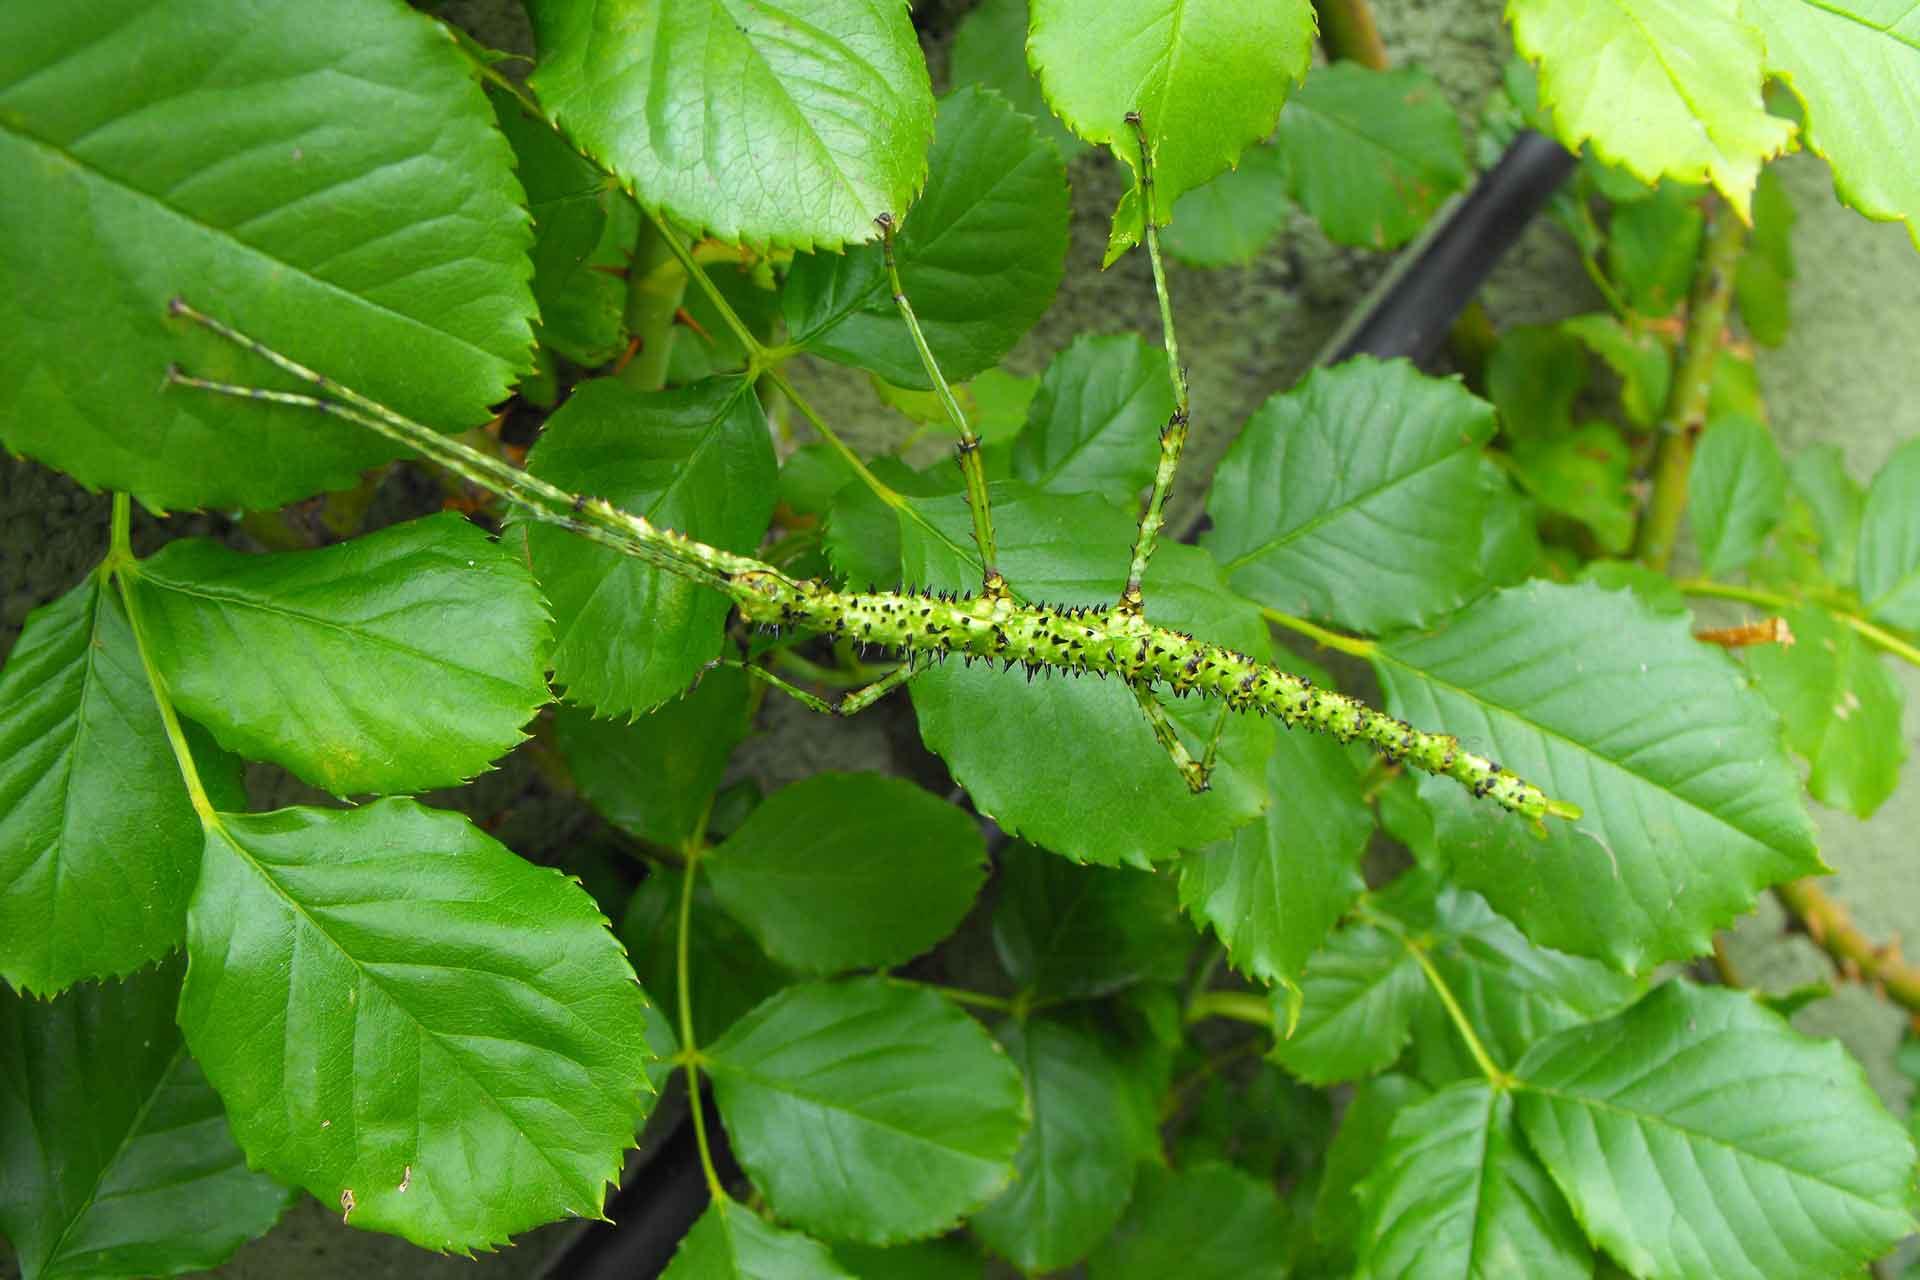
(994, 625)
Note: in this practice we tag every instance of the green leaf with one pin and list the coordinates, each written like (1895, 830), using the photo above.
(1841, 709)
(1739, 492)
(1692, 70)
(1512, 992)
(412, 1023)
(732, 1242)
(869, 1111)
(1457, 1194)
(1208, 78)
(402, 660)
(1094, 426)
(727, 972)
(584, 230)
(1356, 1151)
(980, 253)
(950, 1258)
(656, 776)
(237, 167)
(863, 533)
(1889, 555)
(1652, 247)
(119, 1161)
(849, 871)
(990, 49)
(1818, 475)
(1071, 763)
(1209, 1222)
(1533, 377)
(1358, 999)
(1583, 473)
(1277, 887)
(792, 125)
(1356, 497)
(1855, 64)
(1640, 360)
(1229, 219)
(1371, 154)
(99, 845)
(1761, 282)
(1075, 1169)
(1074, 932)
(1676, 764)
(1646, 1119)
(697, 460)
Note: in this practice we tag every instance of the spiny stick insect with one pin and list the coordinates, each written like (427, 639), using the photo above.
(993, 625)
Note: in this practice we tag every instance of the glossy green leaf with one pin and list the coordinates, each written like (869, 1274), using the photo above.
(1737, 492)
(990, 49)
(118, 1158)
(1358, 999)
(584, 229)
(1818, 476)
(1762, 282)
(980, 254)
(727, 972)
(1855, 65)
(402, 660)
(1229, 219)
(1208, 78)
(863, 533)
(1889, 556)
(1071, 762)
(1457, 1194)
(1208, 1222)
(1355, 1152)
(1584, 473)
(849, 871)
(867, 1110)
(1512, 992)
(656, 776)
(1674, 761)
(1277, 887)
(1652, 247)
(1638, 358)
(1691, 68)
(401, 1016)
(1841, 709)
(731, 1242)
(1073, 932)
(697, 460)
(210, 149)
(99, 846)
(1075, 1169)
(1094, 426)
(791, 125)
(1356, 497)
(1647, 1120)
(1371, 154)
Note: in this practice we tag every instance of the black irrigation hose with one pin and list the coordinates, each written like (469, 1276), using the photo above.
(1408, 314)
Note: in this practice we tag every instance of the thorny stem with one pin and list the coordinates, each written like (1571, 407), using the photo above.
(656, 285)
(1686, 414)
(689, 1049)
(1090, 640)
(1873, 634)
(121, 565)
(1831, 927)
(970, 464)
(756, 351)
(1173, 437)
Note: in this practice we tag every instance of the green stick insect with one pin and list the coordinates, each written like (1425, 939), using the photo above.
(1113, 640)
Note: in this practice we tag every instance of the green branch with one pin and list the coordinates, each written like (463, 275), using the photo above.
(1872, 633)
(1686, 414)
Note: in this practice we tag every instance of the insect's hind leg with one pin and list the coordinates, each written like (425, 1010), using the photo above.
(1198, 774)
